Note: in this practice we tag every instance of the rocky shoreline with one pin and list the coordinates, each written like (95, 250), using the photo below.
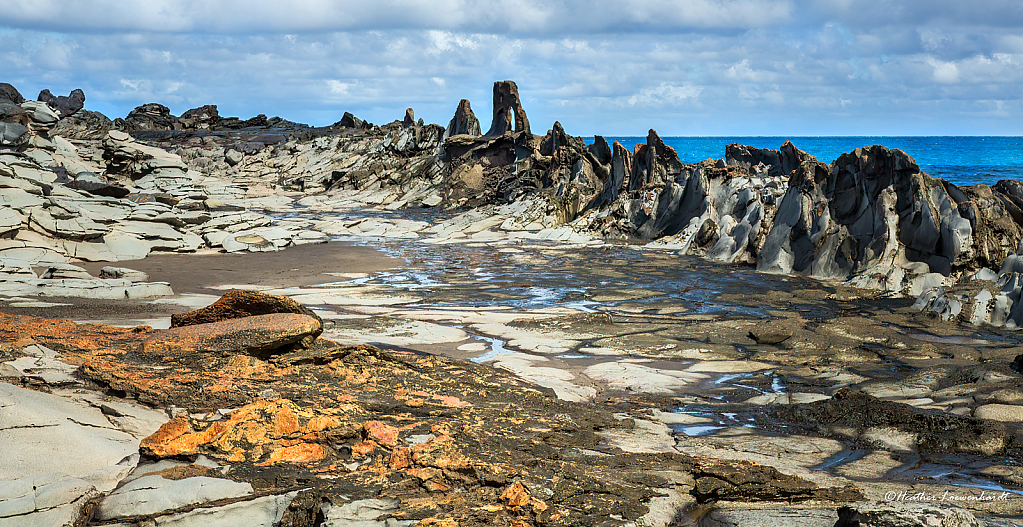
(590, 411)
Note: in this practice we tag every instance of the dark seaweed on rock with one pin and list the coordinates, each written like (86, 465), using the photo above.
(934, 431)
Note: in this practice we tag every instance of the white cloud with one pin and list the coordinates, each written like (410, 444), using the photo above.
(337, 87)
(665, 94)
(516, 16)
(945, 72)
(707, 66)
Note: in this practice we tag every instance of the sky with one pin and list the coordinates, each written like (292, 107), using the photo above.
(615, 68)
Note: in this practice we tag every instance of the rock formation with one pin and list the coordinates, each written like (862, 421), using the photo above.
(871, 218)
(10, 94)
(65, 106)
(151, 116)
(508, 108)
(464, 121)
(201, 118)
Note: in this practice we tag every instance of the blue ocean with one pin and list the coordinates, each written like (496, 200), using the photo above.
(960, 160)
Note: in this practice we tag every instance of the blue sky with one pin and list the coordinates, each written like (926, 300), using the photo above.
(694, 67)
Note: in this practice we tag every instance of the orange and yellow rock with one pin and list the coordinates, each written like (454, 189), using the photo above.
(381, 433)
(301, 453)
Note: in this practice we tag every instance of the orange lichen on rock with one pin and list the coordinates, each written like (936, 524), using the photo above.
(323, 422)
(381, 432)
(177, 437)
(300, 453)
(75, 342)
(257, 424)
(516, 495)
(364, 448)
(401, 457)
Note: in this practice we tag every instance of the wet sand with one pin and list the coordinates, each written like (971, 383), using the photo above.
(215, 273)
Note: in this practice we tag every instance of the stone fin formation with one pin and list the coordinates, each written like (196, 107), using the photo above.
(508, 107)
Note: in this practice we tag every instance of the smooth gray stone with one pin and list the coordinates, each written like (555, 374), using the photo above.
(153, 494)
(123, 272)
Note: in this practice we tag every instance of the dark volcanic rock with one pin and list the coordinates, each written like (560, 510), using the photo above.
(463, 122)
(12, 113)
(202, 118)
(770, 334)
(84, 124)
(781, 162)
(410, 119)
(350, 121)
(654, 164)
(65, 106)
(872, 210)
(600, 149)
(934, 431)
(13, 134)
(151, 116)
(10, 93)
(507, 107)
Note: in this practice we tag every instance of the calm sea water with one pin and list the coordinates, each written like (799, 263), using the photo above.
(961, 160)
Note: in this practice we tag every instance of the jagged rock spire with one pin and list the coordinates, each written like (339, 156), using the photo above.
(464, 121)
(506, 107)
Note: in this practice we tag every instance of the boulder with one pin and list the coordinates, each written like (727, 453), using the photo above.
(13, 134)
(41, 118)
(770, 334)
(259, 335)
(242, 303)
(12, 113)
(65, 106)
(123, 273)
(233, 157)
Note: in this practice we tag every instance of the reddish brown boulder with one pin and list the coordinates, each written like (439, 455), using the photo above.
(258, 335)
(244, 303)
